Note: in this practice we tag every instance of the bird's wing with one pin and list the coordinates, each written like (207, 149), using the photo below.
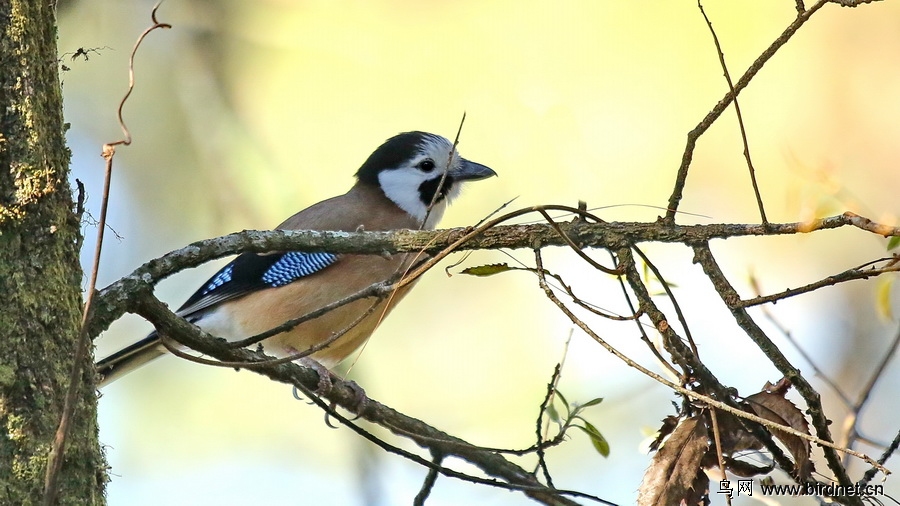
(253, 271)
(362, 208)
(245, 274)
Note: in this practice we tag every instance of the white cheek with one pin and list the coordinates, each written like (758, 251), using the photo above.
(403, 189)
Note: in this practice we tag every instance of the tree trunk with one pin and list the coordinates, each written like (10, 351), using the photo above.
(40, 273)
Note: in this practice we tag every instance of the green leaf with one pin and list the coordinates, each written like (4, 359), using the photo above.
(893, 242)
(553, 414)
(565, 404)
(486, 270)
(592, 402)
(562, 397)
(600, 443)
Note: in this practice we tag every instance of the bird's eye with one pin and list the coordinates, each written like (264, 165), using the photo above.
(426, 165)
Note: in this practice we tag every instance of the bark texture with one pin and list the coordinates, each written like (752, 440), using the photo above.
(40, 273)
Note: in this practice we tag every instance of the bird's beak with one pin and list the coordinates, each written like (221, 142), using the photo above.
(471, 171)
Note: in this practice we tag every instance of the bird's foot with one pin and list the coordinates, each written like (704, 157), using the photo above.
(326, 384)
(360, 399)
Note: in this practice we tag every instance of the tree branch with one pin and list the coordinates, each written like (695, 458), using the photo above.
(515, 478)
(713, 115)
(489, 236)
(730, 297)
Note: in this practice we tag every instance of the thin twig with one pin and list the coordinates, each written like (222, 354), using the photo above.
(696, 373)
(678, 312)
(729, 296)
(722, 105)
(852, 420)
(576, 248)
(146, 305)
(888, 452)
(378, 290)
(790, 338)
(539, 432)
(849, 275)
(430, 479)
(690, 393)
(444, 175)
(549, 443)
(877, 372)
(593, 308)
(640, 326)
(718, 440)
(740, 117)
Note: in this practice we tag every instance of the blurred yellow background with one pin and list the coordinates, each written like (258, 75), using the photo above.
(246, 112)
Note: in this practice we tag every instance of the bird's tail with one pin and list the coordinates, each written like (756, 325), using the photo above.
(128, 359)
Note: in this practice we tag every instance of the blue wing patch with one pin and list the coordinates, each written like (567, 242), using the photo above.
(294, 265)
(222, 277)
(252, 271)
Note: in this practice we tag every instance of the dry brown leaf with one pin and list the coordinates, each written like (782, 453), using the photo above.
(674, 469)
(733, 436)
(698, 495)
(776, 408)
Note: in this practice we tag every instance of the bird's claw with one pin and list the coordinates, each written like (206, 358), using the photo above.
(325, 385)
(360, 399)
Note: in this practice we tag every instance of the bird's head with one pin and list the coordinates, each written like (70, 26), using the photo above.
(410, 167)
